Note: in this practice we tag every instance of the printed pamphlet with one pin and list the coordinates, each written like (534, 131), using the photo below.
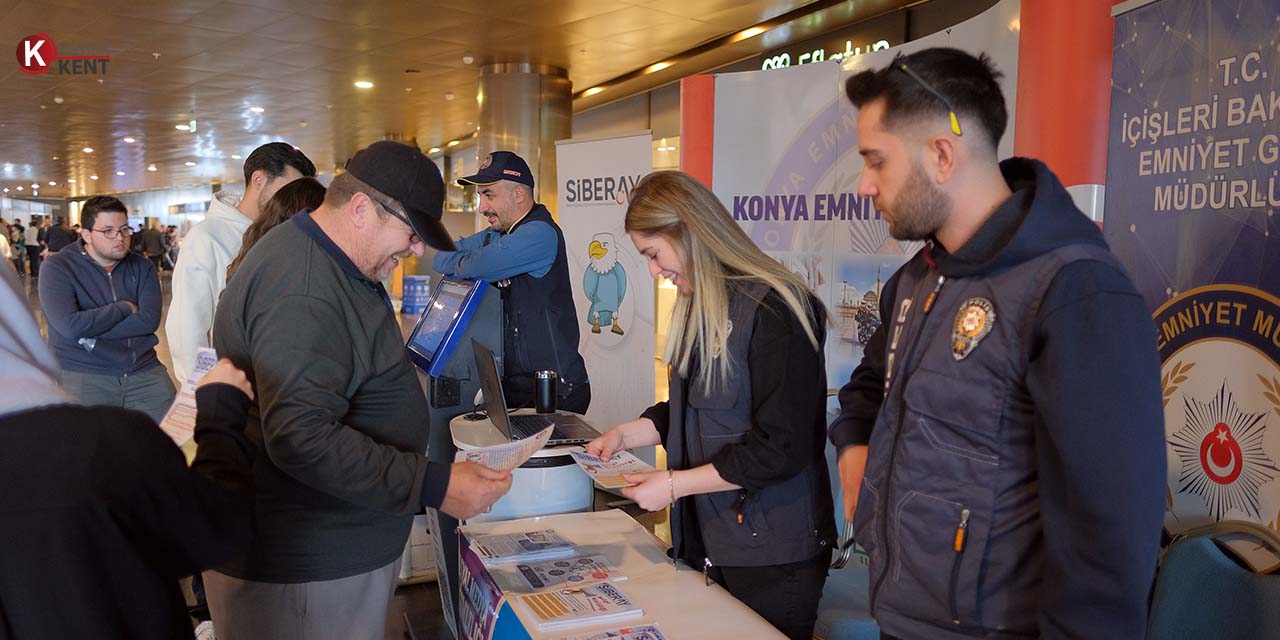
(643, 632)
(592, 604)
(179, 421)
(508, 455)
(530, 546)
(608, 473)
(567, 571)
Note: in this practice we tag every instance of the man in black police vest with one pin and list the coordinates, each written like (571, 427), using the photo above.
(1014, 481)
(522, 252)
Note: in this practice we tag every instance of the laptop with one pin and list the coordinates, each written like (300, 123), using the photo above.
(569, 428)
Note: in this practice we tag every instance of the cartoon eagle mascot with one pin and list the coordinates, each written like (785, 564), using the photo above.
(604, 283)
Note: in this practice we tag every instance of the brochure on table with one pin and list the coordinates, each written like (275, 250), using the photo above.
(628, 559)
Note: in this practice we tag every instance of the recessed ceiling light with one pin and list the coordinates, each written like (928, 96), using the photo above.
(93, 177)
(87, 149)
(364, 84)
(433, 150)
(8, 168)
(35, 186)
(6, 189)
(130, 139)
(182, 127)
(654, 68)
(235, 156)
(448, 95)
(52, 183)
(119, 173)
(257, 109)
(302, 123)
(749, 33)
(592, 91)
(151, 167)
(19, 188)
(189, 163)
(56, 158)
(71, 180)
(58, 100)
(452, 143)
(467, 58)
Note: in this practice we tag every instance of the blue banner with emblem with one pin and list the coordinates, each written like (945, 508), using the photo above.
(1193, 186)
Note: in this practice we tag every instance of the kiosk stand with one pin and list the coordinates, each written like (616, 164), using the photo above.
(548, 483)
(440, 345)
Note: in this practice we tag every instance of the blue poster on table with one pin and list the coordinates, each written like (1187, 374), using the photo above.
(1193, 187)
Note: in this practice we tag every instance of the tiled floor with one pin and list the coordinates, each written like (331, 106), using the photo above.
(415, 607)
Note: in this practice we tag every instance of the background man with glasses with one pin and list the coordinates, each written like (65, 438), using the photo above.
(102, 305)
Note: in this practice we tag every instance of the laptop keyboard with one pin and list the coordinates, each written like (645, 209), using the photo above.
(527, 425)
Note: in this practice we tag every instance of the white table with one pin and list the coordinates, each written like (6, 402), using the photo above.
(675, 597)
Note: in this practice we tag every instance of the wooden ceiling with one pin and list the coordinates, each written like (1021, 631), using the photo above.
(214, 62)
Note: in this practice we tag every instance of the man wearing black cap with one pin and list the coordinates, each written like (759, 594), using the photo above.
(339, 412)
(523, 253)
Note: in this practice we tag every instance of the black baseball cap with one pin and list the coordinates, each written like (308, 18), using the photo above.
(403, 172)
(501, 165)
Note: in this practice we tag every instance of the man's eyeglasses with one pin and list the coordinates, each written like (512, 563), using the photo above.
(399, 216)
(112, 234)
(951, 110)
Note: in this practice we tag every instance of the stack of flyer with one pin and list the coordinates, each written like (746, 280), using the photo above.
(530, 546)
(638, 632)
(592, 604)
(537, 576)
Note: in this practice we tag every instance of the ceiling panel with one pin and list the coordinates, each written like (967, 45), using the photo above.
(173, 61)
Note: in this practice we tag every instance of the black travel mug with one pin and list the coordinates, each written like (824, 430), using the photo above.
(544, 394)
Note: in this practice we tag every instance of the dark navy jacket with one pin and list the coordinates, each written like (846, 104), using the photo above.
(91, 328)
(541, 322)
(1016, 473)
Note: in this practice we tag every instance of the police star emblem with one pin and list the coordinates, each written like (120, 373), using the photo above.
(973, 323)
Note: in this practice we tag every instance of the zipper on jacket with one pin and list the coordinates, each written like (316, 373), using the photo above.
(962, 535)
(111, 282)
(902, 422)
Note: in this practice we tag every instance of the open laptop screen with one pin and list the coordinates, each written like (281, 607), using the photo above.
(495, 405)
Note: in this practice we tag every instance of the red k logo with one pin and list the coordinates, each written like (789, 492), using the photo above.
(35, 54)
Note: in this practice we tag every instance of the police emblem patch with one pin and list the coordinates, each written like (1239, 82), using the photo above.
(488, 160)
(973, 323)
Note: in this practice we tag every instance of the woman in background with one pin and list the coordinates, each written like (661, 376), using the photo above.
(303, 193)
(745, 427)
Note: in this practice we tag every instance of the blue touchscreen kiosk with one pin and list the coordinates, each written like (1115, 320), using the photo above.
(442, 324)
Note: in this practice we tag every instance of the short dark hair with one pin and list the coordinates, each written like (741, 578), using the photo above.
(273, 157)
(969, 83)
(98, 204)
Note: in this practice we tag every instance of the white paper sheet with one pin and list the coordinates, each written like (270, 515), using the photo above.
(179, 421)
(608, 473)
(508, 455)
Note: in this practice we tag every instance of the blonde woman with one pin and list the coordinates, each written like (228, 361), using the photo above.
(744, 429)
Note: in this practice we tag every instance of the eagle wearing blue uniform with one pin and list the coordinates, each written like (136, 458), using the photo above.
(604, 283)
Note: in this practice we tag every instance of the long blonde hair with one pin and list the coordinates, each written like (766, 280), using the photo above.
(716, 252)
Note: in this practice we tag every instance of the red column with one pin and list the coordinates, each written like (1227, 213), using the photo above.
(697, 126)
(1064, 87)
